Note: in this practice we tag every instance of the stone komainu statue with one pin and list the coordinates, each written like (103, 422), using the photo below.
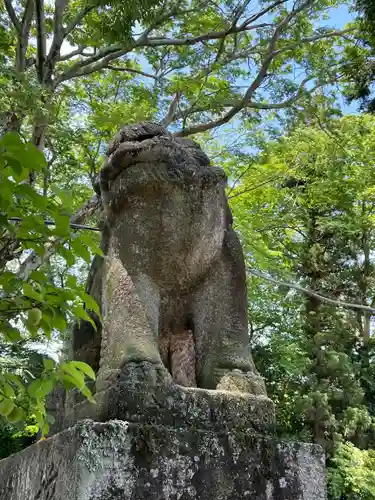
(172, 284)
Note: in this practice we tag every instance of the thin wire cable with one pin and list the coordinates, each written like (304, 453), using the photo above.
(52, 223)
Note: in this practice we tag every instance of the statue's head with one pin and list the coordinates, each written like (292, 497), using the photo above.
(146, 157)
(162, 198)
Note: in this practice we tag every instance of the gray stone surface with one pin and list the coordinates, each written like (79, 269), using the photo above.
(121, 461)
(171, 405)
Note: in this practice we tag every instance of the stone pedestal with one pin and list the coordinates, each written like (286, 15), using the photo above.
(121, 461)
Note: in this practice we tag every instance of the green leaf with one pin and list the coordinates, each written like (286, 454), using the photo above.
(16, 169)
(26, 153)
(89, 240)
(7, 276)
(34, 316)
(19, 173)
(29, 291)
(97, 250)
(8, 281)
(4, 222)
(60, 321)
(88, 394)
(39, 388)
(39, 414)
(62, 228)
(11, 141)
(26, 191)
(80, 249)
(80, 312)
(85, 368)
(16, 380)
(64, 195)
(45, 429)
(32, 224)
(7, 390)
(10, 333)
(50, 419)
(71, 281)
(35, 157)
(6, 407)
(49, 364)
(68, 255)
(38, 276)
(76, 376)
(47, 322)
(67, 381)
(90, 303)
(16, 415)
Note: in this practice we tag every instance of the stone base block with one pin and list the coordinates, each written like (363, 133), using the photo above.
(121, 461)
(180, 407)
(143, 395)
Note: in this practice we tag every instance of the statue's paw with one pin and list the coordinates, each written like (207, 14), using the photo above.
(239, 381)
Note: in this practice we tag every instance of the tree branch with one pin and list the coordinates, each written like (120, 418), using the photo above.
(91, 68)
(312, 293)
(100, 60)
(178, 42)
(132, 70)
(265, 106)
(145, 41)
(253, 188)
(27, 15)
(77, 52)
(23, 39)
(58, 35)
(271, 53)
(159, 20)
(287, 102)
(252, 50)
(13, 17)
(260, 14)
(172, 110)
(271, 49)
(40, 38)
(93, 63)
(239, 10)
(320, 36)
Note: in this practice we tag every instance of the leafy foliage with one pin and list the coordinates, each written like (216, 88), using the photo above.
(204, 50)
(31, 305)
(305, 212)
(13, 439)
(360, 67)
(353, 476)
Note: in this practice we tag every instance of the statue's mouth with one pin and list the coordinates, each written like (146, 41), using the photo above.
(146, 144)
(132, 135)
(128, 146)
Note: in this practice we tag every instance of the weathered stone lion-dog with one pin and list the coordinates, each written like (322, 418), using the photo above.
(172, 284)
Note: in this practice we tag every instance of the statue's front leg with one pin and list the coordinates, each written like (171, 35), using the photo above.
(130, 323)
(223, 354)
